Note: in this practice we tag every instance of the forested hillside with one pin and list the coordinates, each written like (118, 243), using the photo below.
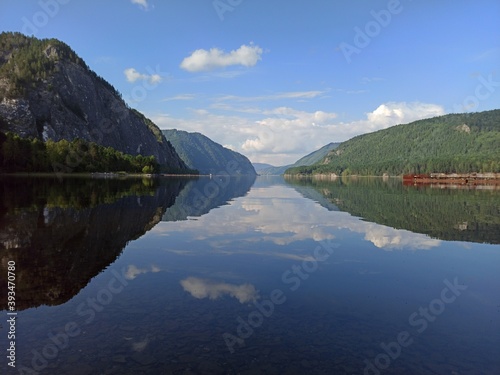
(452, 143)
(309, 159)
(208, 157)
(32, 155)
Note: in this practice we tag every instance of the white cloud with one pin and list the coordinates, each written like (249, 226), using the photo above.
(133, 271)
(180, 97)
(205, 60)
(281, 135)
(201, 288)
(133, 75)
(282, 95)
(142, 3)
(393, 113)
(286, 130)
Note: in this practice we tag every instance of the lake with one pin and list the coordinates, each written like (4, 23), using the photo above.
(249, 276)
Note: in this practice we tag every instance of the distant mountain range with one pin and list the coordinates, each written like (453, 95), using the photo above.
(313, 157)
(262, 166)
(468, 142)
(208, 157)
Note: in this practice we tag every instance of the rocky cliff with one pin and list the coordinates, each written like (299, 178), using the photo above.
(48, 92)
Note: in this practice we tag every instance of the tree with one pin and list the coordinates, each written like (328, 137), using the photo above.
(148, 169)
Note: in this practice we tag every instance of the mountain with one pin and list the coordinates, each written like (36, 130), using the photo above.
(47, 92)
(208, 157)
(309, 159)
(468, 142)
(262, 166)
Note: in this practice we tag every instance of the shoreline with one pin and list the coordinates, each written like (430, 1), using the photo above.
(470, 179)
(438, 179)
(110, 175)
(93, 175)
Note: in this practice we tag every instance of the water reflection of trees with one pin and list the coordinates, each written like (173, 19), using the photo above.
(61, 233)
(448, 214)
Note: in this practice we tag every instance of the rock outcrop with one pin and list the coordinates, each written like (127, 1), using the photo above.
(48, 92)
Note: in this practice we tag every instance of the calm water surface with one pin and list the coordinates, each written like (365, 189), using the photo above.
(245, 276)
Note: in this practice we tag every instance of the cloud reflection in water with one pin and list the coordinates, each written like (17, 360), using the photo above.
(281, 216)
(203, 288)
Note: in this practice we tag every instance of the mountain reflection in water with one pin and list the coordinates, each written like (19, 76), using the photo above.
(61, 233)
(471, 215)
(250, 276)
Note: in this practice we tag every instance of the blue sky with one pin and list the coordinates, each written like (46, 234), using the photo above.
(276, 80)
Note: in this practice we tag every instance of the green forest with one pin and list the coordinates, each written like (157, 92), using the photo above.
(459, 143)
(32, 155)
(31, 62)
